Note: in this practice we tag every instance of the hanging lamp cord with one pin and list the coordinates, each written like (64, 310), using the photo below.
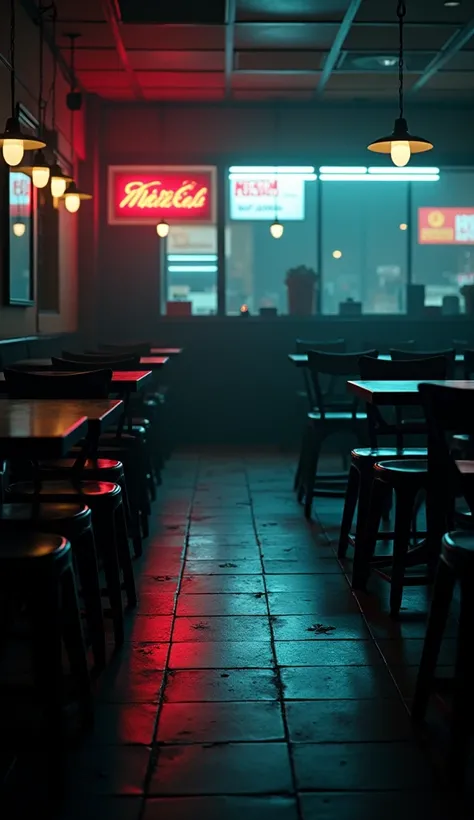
(401, 11)
(73, 85)
(54, 16)
(41, 12)
(12, 55)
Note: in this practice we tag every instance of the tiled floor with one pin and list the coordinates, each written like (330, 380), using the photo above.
(251, 685)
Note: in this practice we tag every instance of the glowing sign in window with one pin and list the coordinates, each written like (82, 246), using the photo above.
(446, 226)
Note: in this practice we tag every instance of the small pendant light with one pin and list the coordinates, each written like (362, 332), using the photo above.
(39, 169)
(162, 229)
(13, 141)
(19, 228)
(276, 229)
(400, 144)
(73, 196)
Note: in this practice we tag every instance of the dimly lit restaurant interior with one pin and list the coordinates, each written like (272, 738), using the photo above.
(236, 409)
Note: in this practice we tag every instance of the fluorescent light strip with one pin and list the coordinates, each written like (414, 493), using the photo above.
(265, 175)
(343, 169)
(378, 178)
(271, 169)
(178, 257)
(396, 171)
(192, 269)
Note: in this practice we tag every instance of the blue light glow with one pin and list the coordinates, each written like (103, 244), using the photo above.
(379, 177)
(192, 268)
(182, 257)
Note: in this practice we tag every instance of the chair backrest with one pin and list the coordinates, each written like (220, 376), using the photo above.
(139, 348)
(339, 366)
(448, 410)
(390, 421)
(409, 344)
(94, 363)
(334, 346)
(93, 356)
(405, 355)
(94, 384)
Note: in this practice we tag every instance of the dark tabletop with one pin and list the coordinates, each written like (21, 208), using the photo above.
(123, 381)
(166, 351)
(397, 392)
(150, 362)
(40, 428)
(301, 359)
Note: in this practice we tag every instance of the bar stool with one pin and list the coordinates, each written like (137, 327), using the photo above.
(37, 569)
(110, 530)
(332, 415)
(363, 460)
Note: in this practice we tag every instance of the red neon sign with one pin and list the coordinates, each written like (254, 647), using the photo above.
(146, 195)
(446, 226)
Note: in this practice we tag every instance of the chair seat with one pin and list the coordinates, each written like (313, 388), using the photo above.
(403, 467)
(458, 549)
(27, 546)
(58, 490)
(46, 512)
(90, 465)
(378, 453)
(336, 415)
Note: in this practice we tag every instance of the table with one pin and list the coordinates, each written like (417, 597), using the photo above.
(123, 381)
(40, 428)
(148, 362)
(301, 359)
(398, 393)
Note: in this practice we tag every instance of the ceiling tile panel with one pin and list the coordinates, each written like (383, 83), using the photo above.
(184, 94)
(97, 59)
(287, 81)
(284, 36)
(184, 38)
(419, 11)
(176, 60)
(386, 37)
(272, 94)
(304, 10)
(180, 79)
(278, 60)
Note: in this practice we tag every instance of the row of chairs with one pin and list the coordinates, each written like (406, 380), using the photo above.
(65, 526)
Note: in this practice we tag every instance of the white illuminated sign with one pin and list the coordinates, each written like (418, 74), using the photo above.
(267, 197)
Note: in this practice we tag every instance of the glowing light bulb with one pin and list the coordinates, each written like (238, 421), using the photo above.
(19, 228)
(400, 152)
(162, 229)
(337, 254)
(276, 229)
(72, 203)
(40, 176)
(403, 226)
(58, 186)
(13, 151)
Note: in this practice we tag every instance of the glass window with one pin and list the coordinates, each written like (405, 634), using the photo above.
(443, 236)
(191, 270)
(20, 239)
(256, 262)
(364, 245)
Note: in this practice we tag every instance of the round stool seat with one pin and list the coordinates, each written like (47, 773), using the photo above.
(378, 453)
(402, 472)
(90, 464)
(17, 513)
(63, 491)
(458, 550)
(28, 546)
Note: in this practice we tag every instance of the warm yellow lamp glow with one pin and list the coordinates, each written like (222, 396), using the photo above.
(276, 229)
(13, 151)
(19, 228)
(72, 203)
(400, 152)
(403, 226)
(162, 229)
(58, 186)
(40, 176)
(337, 254)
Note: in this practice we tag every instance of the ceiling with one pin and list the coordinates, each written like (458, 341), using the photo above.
(264, 50)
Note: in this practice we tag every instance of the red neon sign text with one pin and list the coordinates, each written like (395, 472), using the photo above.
(260, 187)
(145, 197)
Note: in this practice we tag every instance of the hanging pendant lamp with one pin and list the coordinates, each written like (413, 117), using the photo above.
(13, 141)
(276, 229)
(73, 196)
(59, 179)
(39, 168)
(400, 144)
(163, 228)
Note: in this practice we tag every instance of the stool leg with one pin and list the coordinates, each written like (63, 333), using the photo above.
(462, 712)
(125, 560)
(314, 451)
(350, 502)
(302, 464)
(86, 560)
(366, 481)
(439, 611)
(47, 663)
(366, 544)
(108, 547)
(74, 642)
(299, 468)
(404, 502)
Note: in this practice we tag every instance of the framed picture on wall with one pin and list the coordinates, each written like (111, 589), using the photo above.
(19, 240)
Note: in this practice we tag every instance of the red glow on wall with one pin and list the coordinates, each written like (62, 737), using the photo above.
(446, 226)
(144, 196)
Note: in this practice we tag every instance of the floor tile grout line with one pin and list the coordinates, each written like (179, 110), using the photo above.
(279, 682)
(155, 748)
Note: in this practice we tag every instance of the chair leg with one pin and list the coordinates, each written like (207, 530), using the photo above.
(439, 611)
(350, 503)
(314, 451)
(125, 560)
(404, 502)
(86, 560)
(74, 643)
(105, 538)
(366, 544)
(363, 504)
(462, 712)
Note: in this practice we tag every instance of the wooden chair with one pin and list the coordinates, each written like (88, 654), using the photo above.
(407, 355)
(332, 414)
(448, 411)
